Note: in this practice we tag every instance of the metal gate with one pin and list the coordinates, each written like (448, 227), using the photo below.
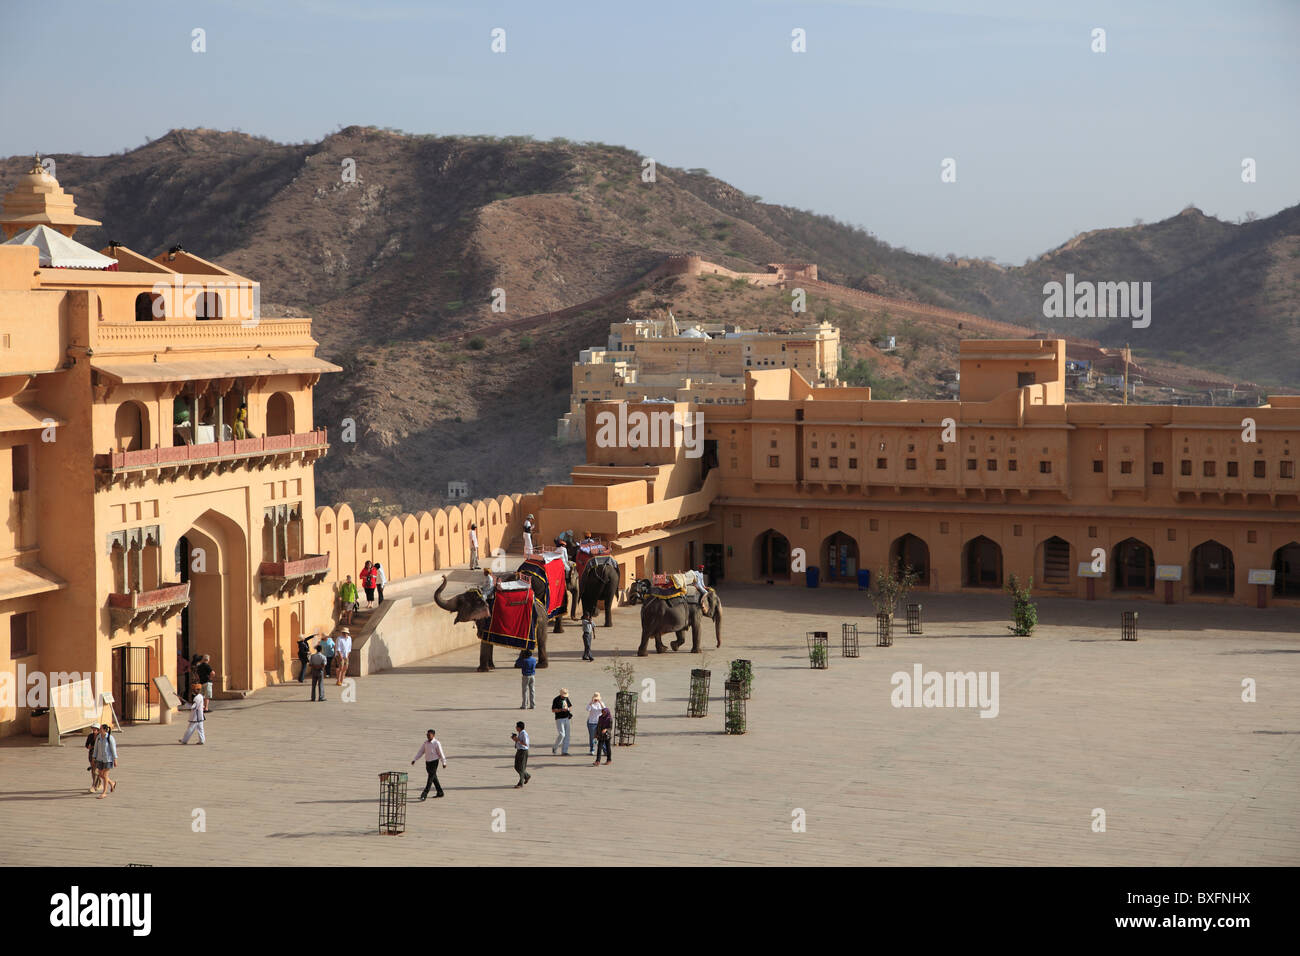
(134, 690)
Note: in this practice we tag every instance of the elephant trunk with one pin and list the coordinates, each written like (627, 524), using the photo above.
(437, 597)
(717, 619)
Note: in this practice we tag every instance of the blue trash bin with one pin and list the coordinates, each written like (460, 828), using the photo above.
(864, 579)
(813, 577)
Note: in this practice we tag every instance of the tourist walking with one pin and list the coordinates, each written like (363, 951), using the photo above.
(433, 755)
(562, 708)
(343, 652)
(328, 648)
(348, 601)
(528, 535)
(105, 759)
(588, 634)
(304, 652)
(90, 758)
(367, 577)
(204, 673)
(317, 664)
(380, 580)
(593, 718)
(473, 546)
(604, 736)
(528, 668)
(520, 737)
(197, 718)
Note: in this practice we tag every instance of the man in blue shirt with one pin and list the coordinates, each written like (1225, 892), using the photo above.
(528, 663)
(327, 648)
(520, 737)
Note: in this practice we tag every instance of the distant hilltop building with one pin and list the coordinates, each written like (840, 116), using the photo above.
(647, 359)
(457, 490)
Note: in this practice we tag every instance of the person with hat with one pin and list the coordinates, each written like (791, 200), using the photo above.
(196, 717)
(528, 535)
(341, 652)
(562, 708)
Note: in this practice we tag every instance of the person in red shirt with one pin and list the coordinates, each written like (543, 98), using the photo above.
(367, 577)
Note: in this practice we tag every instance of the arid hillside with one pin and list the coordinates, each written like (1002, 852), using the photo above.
(400, 266)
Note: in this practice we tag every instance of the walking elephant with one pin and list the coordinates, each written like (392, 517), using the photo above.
(470, 606)
(659, 616)
(598, 582)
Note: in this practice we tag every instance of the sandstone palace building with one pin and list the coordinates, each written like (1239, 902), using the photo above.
(156, 461)
(1168, 503)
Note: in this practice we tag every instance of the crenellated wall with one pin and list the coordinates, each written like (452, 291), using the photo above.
(412, 544)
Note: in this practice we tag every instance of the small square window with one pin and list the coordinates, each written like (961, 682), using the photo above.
(1185, 466)
(772, 443)
(22, 634)
(1232, 469)
(735, 520)
(1157, 468)
(1011, 464)
(911, 464)
(1016, 530)
(1259, 469)
(882, 463)
(1171, 534)
(971, 464)
(1092, 531)
(835, 462)
(803, 523)
(1126, 467)
(814, 444)
(943, 527)
(991, 464)
(853, 463)
(774, 461)
(1207, 469)
(1250, 537)
(814, 462)
(874, 524)
(1044, 467)
(1286, 469)
(835, 444)
(941, 464)
(1097, 466)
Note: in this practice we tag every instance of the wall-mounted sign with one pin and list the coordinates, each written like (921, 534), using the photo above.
(1258, 576)
(1086, 571)
(1169, 572)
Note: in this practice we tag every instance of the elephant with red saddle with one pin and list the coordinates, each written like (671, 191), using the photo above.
(469, 605)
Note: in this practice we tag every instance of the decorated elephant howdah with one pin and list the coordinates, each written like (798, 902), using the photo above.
(687, 608)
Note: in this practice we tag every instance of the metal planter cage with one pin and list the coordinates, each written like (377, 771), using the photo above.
(848, 640)
(625, 718)
(697, 704)
(736, 719)
(743, 671)
(392, 802)
(1128, 625)
(819, 657)
(914, 619)
(884, 630)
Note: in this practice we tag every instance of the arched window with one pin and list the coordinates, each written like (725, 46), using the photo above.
(207, 305)
(983, 563)
(909, 551)
(149, 307)
(1056, 562)
(771, 555)
(1286, 562)
(279, 414)
(840, 557)
(129, 427)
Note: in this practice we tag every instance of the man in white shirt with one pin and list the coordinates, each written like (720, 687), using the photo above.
(473, 547)
(433, 755)
(196, 716)
(342, 648)
(528, 535)
(520, 737)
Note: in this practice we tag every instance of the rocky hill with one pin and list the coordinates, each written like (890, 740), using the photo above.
(401, 264)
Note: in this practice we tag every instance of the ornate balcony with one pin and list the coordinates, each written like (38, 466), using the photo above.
(282, 578)
(142, 608)
(196, 461)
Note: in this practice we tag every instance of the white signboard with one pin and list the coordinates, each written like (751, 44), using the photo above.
(1262, 577)
(1169, 572)
(1086, 571)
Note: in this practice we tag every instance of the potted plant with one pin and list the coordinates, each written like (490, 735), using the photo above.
(1024, 613)
(624, 702)
(818, 650)
(743, 671)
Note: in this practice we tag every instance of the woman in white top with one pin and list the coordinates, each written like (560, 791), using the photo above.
(593, 715)
(528, 535)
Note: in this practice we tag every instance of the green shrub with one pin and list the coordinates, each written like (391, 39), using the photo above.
(1024, 611)
(478, 343)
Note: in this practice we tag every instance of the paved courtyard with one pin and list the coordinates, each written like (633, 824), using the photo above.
(1154, 733)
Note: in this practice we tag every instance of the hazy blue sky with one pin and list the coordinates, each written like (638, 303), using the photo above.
(1050, 138)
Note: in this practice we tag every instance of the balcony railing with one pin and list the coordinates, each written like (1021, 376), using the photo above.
(134, 609)
(280, 578)
(204, 458)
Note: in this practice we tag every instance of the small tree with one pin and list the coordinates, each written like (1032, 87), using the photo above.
(624, 674)
(1024, 611)
(891, 586)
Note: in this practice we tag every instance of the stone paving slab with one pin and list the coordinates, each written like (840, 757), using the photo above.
(1153, 732)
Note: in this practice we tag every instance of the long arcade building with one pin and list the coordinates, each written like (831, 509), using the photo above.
(1171, 503)
(156, 461)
